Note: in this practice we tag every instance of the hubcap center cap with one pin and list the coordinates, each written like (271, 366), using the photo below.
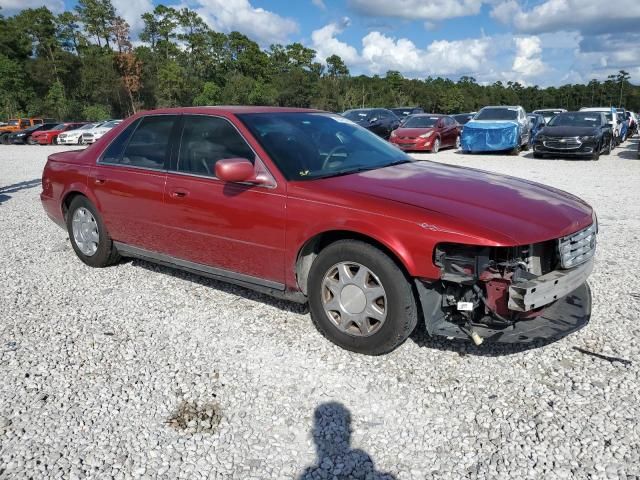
(353, 299)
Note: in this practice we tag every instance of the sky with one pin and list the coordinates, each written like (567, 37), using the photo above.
(534, 42)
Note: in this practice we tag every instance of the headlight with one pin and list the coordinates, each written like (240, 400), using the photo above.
(393, 134)
(587, 138)
(21, 134)
(426, 135)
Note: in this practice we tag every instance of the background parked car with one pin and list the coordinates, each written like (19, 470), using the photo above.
(403, 112)
(93, 134)
(536, 121)
(499, 128)
(463, 118)
(427, 132)
(612, 118)
(585, 134)
(633, 123)
(50, 137)
(22, 137)
(74, 137)
(549, 113)
(16, 124)
(379, 120)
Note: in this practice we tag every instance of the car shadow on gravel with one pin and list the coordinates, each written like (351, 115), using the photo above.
(16, 187)
(335, 457)
(222, 286)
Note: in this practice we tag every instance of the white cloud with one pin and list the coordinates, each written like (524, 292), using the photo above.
(381, 53)
(13, 6)
(528, 60)
(131, 12)
(418, 9)
(582, 15)
(320, 4)
(325, 43)
(259, 24)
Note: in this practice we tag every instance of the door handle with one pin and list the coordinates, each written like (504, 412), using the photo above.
(179, 193)
(100, 181)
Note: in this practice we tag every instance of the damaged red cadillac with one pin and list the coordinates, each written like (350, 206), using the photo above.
(307, 206)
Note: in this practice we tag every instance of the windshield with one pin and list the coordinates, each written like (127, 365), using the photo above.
(576, 120)
(462, 118)
(306, 146)
(110, 124)
(421, 122)
(402, 112)
(13, 122)
(359, 115)
(497, 114)
(88, 126)
(60, 126)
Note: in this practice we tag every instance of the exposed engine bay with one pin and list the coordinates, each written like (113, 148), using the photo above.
(489, 289)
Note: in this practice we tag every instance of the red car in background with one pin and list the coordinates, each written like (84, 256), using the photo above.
(427, 132)
(308, 206)
(50, 137)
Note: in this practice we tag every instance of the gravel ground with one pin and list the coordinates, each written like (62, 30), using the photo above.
(138, 371)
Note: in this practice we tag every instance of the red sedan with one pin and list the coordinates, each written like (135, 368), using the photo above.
(427, 132)
(50, 137)
(308, 206)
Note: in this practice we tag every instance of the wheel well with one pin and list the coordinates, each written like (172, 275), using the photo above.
(315, 245)
(66, 202)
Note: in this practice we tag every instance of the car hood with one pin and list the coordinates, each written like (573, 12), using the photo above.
(566, 131)
(518, 211)
(412, 132)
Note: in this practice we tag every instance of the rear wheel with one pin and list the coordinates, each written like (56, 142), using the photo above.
(360, 299)
(88, 234)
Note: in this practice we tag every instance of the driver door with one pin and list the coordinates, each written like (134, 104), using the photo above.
(236, 228)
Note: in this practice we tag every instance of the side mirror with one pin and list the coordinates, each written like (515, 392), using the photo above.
(236, 170)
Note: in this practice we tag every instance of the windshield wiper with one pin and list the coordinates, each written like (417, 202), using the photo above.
(349, 171)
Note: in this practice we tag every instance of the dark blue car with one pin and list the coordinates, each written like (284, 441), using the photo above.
(537, 122)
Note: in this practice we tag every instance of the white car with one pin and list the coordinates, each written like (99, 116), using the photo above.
(612, 119)
(74, 137)
(90, 136)
(549, 113)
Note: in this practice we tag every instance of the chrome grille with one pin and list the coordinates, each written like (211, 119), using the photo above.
(563, 143)
(577, 248)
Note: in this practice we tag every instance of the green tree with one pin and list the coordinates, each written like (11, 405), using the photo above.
(56, 103)
(210, 95)
(98, 17)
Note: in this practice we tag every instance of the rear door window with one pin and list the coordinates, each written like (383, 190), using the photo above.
(113, 153)
(148, 146)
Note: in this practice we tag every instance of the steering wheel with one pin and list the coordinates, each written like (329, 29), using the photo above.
(331, 153)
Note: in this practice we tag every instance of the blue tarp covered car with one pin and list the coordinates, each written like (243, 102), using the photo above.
(496, 129)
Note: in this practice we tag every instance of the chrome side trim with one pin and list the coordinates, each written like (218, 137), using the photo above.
(546, 289)
(198, 268)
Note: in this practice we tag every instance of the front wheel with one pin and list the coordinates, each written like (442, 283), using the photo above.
(436, 146)
(88, 234)
(4, 139)
(608, 148)
(457, 142)
(360, 299)
(596, 153)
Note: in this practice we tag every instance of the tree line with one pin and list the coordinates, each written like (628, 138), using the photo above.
(82, 64)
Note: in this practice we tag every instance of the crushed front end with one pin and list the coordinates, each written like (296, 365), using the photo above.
(521, 294)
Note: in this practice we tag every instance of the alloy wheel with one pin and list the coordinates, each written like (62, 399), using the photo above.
(85, 231)
(354, 299)
(436, 146)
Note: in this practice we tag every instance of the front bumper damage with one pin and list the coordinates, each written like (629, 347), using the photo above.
(541, 308)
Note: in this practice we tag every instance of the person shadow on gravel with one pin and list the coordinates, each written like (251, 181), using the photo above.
(336, 459)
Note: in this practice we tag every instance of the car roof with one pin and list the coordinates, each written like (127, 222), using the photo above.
(231, 109)
(430, 115)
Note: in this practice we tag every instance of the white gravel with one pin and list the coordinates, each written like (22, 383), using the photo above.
(138, 371)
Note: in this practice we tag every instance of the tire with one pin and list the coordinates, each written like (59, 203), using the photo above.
(608, 149)
(54, 141)
(398, 305)
(436, 146)
(458, 143)
(595, 156)
(105, 253)
(525, 146)
(515, 151)
(4, 139)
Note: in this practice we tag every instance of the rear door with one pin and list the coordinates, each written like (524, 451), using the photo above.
(235, 228)
(129, 179)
